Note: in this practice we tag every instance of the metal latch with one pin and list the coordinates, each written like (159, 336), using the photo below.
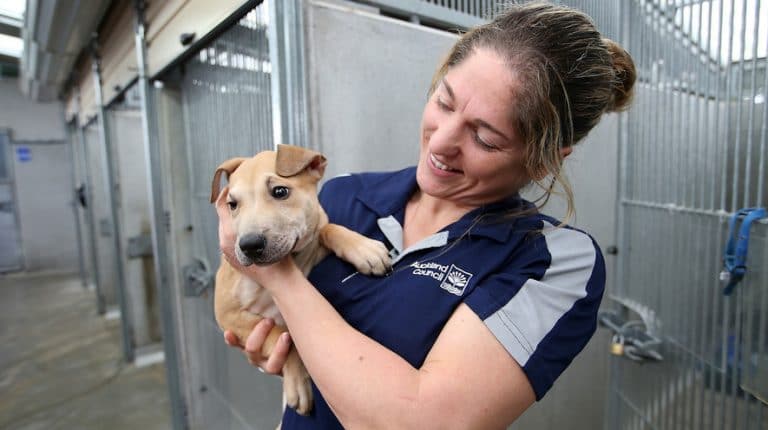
(105, 227)
(735, 254)
(635, 339)
(140, 246)
(197, 278)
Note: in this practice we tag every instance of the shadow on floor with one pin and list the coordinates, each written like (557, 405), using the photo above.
(61, 363)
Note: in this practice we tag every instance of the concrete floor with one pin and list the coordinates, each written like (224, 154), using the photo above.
(61, 364)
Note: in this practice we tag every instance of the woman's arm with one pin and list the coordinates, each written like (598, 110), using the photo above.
(468, 379)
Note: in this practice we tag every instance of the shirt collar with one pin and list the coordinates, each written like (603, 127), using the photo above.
(385, 196)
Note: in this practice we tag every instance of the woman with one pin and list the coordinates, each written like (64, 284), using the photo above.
(489, 300)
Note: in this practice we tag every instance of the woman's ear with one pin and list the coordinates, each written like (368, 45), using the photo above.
(564, 152)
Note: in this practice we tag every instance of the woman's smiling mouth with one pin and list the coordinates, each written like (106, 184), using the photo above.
(439, 165)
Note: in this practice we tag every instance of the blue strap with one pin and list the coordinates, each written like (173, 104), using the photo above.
(735, 259)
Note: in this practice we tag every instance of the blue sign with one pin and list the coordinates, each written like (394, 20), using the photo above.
(23, 154)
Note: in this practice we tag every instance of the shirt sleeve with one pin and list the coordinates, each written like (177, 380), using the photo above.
(543, 308)
(335, 196)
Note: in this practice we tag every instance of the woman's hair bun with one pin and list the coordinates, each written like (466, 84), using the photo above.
(624, 69)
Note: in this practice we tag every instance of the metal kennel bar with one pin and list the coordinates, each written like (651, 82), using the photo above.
(288, 80)
(11, 254)
(90, 217)
(71, 130)
(159, 229)
(107, 160)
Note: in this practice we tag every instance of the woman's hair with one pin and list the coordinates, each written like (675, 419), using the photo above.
(568, 75)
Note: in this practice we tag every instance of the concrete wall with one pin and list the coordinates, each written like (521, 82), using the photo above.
(45, 198)
(27, 119)
(369, 77)
(43, 180)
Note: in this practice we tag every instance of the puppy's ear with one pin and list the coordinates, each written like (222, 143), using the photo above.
(292, 160)
(227, 167)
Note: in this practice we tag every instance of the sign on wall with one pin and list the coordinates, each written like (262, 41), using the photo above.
(23, 154)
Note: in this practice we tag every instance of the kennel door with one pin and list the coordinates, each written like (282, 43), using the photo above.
(214, 106)
(693, 154)
(10, 238)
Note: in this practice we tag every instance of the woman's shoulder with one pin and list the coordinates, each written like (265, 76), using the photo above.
(356, 181)
(343, 194)
(556, 233)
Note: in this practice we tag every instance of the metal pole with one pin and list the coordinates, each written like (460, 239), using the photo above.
(748, 339)
(289, 92)
(275, 20)
(751, 120)
(152, 155)
(738, 297)
(702, 281)
(611, 414)
(739, 112)
(763, 132)
(90, 218)
(107, 157)
(75, 210)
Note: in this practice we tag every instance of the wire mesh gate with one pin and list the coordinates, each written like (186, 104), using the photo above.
(693, 153)
(224, 110)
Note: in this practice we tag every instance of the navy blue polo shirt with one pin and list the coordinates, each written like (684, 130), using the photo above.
(536, 287)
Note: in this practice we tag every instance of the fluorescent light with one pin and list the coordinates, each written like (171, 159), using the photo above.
(11, 46)
(13, 8)
(730, 25)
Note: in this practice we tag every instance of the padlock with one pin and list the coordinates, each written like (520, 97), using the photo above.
(617, 345)
(725, 277)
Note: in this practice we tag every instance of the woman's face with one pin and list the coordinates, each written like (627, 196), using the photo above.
(470, 154)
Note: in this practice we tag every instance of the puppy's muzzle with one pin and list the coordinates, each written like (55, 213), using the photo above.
(253, 246)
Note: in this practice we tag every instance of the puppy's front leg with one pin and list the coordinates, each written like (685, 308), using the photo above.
(367, 255)
(297, 387)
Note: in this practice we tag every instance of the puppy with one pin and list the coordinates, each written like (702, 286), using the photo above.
(275, 212)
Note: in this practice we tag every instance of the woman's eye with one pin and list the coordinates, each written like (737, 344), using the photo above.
(232, 205)
(485, 146)
(280, 193)
(442, 105)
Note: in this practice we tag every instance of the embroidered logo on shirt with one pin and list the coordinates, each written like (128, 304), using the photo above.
(452, 279)
(456, 281)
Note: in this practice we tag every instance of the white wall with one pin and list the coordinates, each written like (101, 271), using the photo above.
(43, 182)
(27, 119)
(44, 200)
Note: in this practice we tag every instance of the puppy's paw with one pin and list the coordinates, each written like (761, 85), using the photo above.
(297, 387)
(370, 257)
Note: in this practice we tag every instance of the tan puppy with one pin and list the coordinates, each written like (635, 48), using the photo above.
(275, 212)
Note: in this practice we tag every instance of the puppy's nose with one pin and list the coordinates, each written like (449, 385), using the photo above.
(253, 245)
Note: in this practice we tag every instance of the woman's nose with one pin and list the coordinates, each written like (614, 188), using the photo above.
(446, 139)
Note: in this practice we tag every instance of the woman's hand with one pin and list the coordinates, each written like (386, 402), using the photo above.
(252, 348)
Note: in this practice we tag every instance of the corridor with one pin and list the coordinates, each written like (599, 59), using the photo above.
(61, 365)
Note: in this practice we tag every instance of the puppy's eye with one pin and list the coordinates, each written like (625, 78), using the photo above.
(280, 192)
(232, 205)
